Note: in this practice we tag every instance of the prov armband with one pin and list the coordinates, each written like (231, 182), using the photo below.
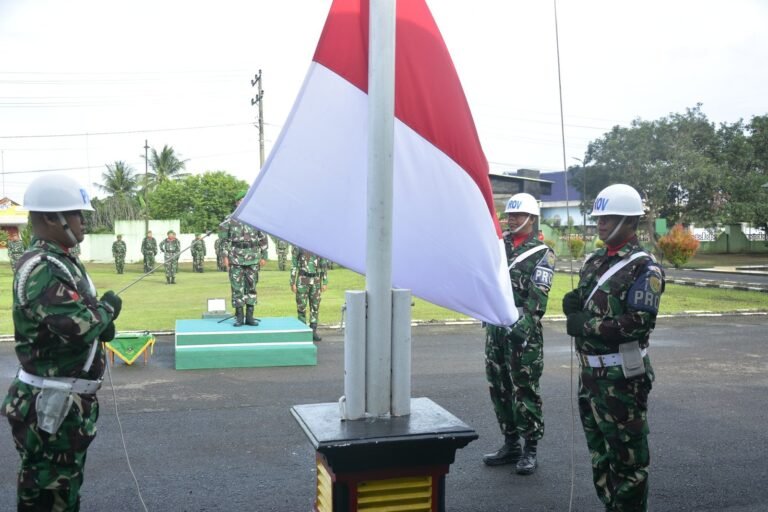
(645, 294)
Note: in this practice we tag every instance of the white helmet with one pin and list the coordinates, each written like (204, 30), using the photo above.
(522, 203)
(57, 193)
(618, 200)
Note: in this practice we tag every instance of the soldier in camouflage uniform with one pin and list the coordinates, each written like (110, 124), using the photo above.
(15, 250)
(611, 315)
(171, 248)
(309, 278)
(218, 248)
(118, 252)
(514, 357)
(149, 250)
(58, 325)
(198, 253)
(246, 251)
(282, 252)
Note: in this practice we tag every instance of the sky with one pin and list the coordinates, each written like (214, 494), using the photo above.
(84, 83)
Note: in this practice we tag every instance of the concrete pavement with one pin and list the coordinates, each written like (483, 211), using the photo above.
(223, 440)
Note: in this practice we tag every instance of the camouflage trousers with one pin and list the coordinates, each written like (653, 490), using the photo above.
(120, 264)
(282, 260)
(149, 262)
(614, 413)
(197, 263)
(52, 465)
(220, 261)
(171, 265)
(513, 374)
(308, 290)
(243, 280)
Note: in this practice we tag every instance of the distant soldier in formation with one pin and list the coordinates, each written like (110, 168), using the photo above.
(171, 248)
(282, 252)
(15, 249)
(198, 253)
(309, 278)
(218, 248)
(149, 250)
(246, 249)
(118, 252)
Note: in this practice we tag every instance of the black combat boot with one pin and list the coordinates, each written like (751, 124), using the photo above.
(507, 454)
(249, 315)
(173, 280)
(527, 464)
(167, 280)
(238, 317)
(315, 336)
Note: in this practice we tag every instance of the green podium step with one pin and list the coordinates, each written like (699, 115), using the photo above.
(278, 341)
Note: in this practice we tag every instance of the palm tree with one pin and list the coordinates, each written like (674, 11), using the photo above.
(119, 180)
(165, 165)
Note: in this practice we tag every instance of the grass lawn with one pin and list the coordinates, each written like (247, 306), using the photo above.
(152, 305)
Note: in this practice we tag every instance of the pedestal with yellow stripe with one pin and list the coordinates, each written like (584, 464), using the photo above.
(392, 464)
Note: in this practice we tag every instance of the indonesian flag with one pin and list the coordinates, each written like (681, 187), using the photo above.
(447, 246)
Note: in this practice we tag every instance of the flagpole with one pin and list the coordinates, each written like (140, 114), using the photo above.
(378, 283)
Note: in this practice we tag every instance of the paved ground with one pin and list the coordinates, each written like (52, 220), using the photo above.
(223, 440)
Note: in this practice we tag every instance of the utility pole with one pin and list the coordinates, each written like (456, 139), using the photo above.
(146, 186)
(2, 168)
(256, 80)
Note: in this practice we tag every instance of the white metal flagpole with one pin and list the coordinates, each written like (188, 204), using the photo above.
(378, 282)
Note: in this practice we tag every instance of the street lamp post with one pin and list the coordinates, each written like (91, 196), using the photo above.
(583, 197)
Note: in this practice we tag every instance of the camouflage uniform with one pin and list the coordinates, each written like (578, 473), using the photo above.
(171, 249)
(309, 274)
(54, 334)
(218, 248)
(75, 251)
(514, 357)
(15, 250)
(614, 408)
(198, 254)
(118, 252)
(149, 250)
(244, 247)
(282, 252)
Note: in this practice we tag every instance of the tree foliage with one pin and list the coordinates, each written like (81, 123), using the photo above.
(166, 166)
(686, 169)
(201, 202)
(679, 245)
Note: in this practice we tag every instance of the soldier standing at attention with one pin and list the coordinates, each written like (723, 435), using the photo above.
(309, 278)
(15, 249)
(58, 326)
(118, 252)
(611, 315)
(514, 358)
(218, 248)
(171, 248)
(282, 252)
(149, 250)
(246, 251)
(198, 253)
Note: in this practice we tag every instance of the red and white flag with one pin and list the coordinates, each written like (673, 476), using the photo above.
(447, 246)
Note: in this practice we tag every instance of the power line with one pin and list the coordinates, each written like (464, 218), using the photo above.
(126, 132)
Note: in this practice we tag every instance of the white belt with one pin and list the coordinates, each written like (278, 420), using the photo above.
(79, 386)
(604, 360)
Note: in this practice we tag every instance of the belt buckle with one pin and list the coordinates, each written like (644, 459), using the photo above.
(602, 361)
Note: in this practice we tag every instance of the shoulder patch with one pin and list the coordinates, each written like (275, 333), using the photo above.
(544, 271)
(645, 293)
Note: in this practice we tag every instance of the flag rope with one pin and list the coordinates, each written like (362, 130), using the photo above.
(570, 227)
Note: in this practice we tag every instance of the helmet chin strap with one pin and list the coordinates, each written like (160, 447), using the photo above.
(615, 230)
(521, 226)
(67, 229)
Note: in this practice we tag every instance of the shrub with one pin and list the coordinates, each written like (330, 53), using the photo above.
(679, 245)
(576, 247)
(549, 243)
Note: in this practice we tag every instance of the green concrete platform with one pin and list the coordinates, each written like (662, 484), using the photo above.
(278, 341)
